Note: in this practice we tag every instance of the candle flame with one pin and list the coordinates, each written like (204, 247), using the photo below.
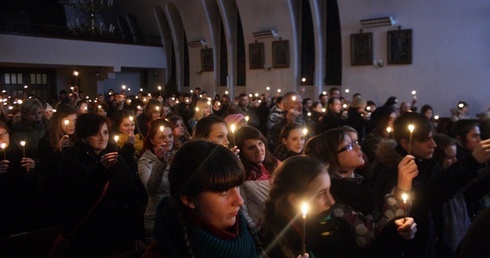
(411, 128)
(3, 146)
(233, 127)
(162, 128)
(404, 197)
(388, 129)
(247, 118)
(131, 118)
(66, 121)
(293, 98)
(305, 131)
(23, 143)
(304, 209)
(116, 138)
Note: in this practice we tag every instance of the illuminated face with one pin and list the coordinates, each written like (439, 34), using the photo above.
(206, 110)
(156, 113)
(295, 140)
(318, 194)
(102, 112)
(98, 142)
(4, 137)
(349, 153)
(179, 129)
(163, 139)
(69, 128)
(253, 150)
(424, 149)
(35, 116)
(450, 158)
(218, 209)
(126, 126)
(218, 134)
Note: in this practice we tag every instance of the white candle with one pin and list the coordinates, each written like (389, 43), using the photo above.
(304, 210)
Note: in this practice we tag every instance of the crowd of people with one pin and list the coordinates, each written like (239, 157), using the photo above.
(188, 175)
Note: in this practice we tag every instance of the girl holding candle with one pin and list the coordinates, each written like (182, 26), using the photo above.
(202, 217)
(354, 193)
(203, 109)
(31, 128)
(59, 136)
(153, 169)
(328, 233)
(129, 145)
(152, 110)
(381, 124)
(92, 165)
(259, 164)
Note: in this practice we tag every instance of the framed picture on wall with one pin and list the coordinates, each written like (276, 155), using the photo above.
(256, 55)
(361, 49)
(400, 46)
(207, 64)
(280, 54)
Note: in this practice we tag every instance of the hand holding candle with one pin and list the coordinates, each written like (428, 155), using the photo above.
(304, 210)
(410, 128)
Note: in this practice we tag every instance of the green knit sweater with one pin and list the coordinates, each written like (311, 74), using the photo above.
(168, 234)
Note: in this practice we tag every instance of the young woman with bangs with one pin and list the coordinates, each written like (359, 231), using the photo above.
(202, 217)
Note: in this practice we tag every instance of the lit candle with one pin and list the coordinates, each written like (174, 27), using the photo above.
(308, 114)
(23, 143)
(410, 128)
(66, 125)
(3, 146)
(293, 98)
(131, 118)
(389, 129)
(233, 127)
(116, 139)
(404, 198)
(305, 131)
(161, 129)
(304, 210)
(247, 118)
(160, 89)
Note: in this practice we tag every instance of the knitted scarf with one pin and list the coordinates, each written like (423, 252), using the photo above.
(203, 243)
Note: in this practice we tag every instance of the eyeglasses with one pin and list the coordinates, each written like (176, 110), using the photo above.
(349, 147)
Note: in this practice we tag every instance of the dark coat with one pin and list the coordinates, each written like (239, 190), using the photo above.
(117, 220)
